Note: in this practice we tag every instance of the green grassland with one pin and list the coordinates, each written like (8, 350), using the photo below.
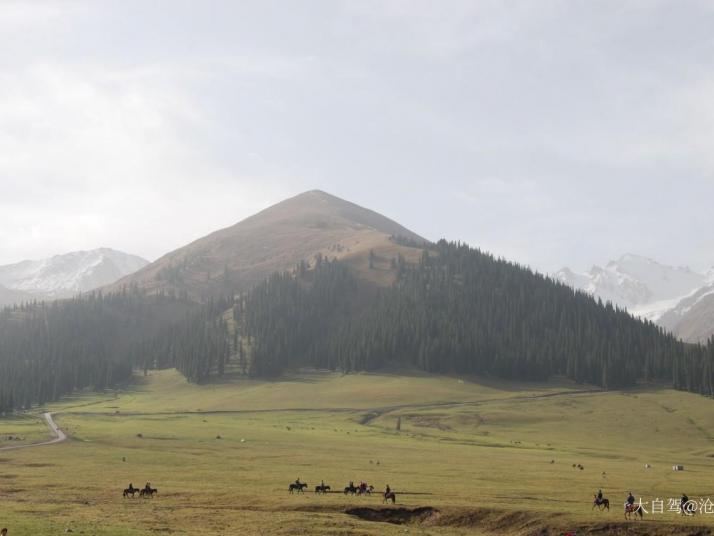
(489, 457)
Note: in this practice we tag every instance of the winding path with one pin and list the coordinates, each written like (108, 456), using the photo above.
(368, 417)
(58, 434)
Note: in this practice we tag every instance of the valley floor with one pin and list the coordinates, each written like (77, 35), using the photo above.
(470, 457)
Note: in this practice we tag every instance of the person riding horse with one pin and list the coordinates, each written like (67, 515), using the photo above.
(630, 504)
(684, 507)
(131, 488)
(387, 489)
(599, 496)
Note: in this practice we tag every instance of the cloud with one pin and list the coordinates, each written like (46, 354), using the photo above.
(92, 155)
(555, 133)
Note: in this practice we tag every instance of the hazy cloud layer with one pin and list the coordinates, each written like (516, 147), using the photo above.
(549, 132)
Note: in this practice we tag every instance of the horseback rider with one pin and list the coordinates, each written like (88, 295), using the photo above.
(387, 490)
(147, 488)
(683, 503)
(630, 500)
(131, 487)
(599, 496)
(297, 481)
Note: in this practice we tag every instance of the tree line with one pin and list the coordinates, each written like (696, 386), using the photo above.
(95, 341)
(458, 310)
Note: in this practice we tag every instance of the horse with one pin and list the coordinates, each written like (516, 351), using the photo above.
(365, 490)
(322, 488)
(635, 509)
(687, 508)
(148, 492)
(390, 496)
(130, 491)
(351, 489)
(297, 486)
(603, 504)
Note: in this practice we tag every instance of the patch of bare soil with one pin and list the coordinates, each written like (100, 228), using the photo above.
(396, 516)
(430, 421)
(520, 523)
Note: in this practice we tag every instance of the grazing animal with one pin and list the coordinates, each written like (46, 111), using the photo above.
(390, 495)
(633, 509)
(148, 492)
(321, 488)
(603, 504)
(295, 486)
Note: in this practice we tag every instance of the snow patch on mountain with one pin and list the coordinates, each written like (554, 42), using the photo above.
(641, 285)
(66, 275)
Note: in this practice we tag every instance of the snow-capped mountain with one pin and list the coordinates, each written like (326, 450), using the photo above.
(693, 317)
(63, 276)
(642, 285)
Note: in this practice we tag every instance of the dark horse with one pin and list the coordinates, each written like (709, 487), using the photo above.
(390, 495)
(601, 504)
(130, 491)
(633, 509)
(297, 486)
(320, 488)
(351, 489)
(148, 492)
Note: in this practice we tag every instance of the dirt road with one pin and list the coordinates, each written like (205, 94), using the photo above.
(58, 434)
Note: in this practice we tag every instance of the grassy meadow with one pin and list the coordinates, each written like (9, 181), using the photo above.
(486, 457)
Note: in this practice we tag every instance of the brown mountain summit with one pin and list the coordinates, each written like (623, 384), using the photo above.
(276, 239)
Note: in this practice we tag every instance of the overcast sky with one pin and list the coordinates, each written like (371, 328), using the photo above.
(552, 133)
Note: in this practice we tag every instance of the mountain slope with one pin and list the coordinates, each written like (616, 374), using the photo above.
(692, 318)
(643, 286)
(9, 296)
(276, 239)
(63, 276)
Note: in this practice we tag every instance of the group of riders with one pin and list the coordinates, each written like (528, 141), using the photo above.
(147, 490)
(361, 489)
(633, 507)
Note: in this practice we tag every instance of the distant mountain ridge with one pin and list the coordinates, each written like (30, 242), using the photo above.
(637, 283)
(667, 295)
(276, 239)
(66, 275)
(693, 317)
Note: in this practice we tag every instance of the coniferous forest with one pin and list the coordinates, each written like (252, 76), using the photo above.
(462, 311)
(48, 350)
(457, 310)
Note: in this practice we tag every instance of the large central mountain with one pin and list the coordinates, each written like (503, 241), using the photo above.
(308, 272)
(277, 239)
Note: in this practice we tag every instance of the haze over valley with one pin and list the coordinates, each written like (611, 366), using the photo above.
(356, 268)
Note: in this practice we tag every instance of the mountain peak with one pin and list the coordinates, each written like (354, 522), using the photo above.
(316, 208)
(65, 275)
(277, 239)
(641, 284)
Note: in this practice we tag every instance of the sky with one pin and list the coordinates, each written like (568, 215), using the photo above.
(551, 133)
